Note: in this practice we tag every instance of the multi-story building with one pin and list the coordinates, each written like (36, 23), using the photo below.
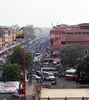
(7, 37)
(63, 35)
(1, 38)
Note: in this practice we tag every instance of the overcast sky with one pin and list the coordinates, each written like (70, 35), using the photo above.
(43, 12)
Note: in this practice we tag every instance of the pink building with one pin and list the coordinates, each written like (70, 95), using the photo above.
(63, 35)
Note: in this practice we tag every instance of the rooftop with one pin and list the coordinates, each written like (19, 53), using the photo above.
(61, 93)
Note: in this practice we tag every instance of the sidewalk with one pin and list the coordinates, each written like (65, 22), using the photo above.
(30, 89)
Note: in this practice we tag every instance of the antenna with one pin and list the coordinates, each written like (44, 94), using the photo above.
(58, 22)
(52, 24)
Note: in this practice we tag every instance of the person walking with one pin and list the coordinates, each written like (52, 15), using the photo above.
(33, 97)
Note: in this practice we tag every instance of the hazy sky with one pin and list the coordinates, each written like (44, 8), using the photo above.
(43, 12)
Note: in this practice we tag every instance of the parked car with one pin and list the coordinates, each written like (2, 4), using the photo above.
(39, 73)
(36, 77)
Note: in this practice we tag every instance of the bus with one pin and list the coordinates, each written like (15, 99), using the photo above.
(50, 70)
(71, 74)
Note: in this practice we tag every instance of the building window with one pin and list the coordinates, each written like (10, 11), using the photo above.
(86, 41)
(63, 32)
(69, 42)
(51, 41)
(77, 42)
(63, 42)
(77, 32)
(69, 32)
(85, 32)
(84, 27)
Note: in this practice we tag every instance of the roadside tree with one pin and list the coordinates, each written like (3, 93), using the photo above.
(83, 71)
(11, 72)
(16, 57)
(71, 54)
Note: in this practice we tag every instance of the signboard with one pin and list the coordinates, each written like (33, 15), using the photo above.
(9, 87)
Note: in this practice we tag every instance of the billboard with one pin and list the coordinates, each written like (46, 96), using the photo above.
(9, 87)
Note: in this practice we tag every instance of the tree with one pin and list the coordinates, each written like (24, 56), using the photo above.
(11, 72)
(71, 54)
(29, 60)
(16, 57)
(83, 71)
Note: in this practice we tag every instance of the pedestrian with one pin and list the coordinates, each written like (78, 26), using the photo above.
(38, 80)
(33, 97)
(41, 80)
(4, 99)
(77, 81)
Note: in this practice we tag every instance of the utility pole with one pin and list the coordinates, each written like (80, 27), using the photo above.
(24, 73)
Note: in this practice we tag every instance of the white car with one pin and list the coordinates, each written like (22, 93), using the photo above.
(36, 77)
(48, 76)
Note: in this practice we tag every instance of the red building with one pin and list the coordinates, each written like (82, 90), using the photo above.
(63, 35)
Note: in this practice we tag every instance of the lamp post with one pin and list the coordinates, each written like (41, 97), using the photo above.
(24, 73)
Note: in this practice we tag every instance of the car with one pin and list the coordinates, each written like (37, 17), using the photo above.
(50, 70)
(48, 76)
(36, 77)
(39, 73)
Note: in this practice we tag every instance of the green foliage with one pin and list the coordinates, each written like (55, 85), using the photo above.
(83, 71)
(86, 59)
(29, 60)
(11, 72)
(16, 57)
(69, 56)
(13, 67)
